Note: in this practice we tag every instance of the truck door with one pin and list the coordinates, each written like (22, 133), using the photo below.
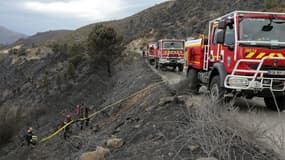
(227, 49)
(214, 47)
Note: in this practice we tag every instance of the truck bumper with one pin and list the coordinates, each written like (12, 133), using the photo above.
(150, 57)
(262, 93)
(171, 62)
(262, 87)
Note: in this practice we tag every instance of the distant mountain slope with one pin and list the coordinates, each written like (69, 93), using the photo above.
(180, 18)
(7, 36)
(42, 37)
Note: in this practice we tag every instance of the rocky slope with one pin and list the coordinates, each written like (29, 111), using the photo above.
(152, 124)
(36, 88)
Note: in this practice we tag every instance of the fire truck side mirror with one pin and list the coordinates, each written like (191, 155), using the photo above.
(222, 25)
(220, 36)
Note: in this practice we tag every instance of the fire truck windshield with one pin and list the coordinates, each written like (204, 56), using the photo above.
(172, 45)
(262, 32)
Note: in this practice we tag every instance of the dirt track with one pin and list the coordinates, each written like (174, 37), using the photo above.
(251, 112)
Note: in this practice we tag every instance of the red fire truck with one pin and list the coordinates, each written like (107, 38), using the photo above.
(152, 52)
(171, 53)
(243, 56)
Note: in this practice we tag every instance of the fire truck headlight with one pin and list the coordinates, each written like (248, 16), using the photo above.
(181, 61)
(238, 81)
(255, 84)
(162, 60)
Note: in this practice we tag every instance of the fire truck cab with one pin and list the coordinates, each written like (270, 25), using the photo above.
(243, 56)
(171, 53)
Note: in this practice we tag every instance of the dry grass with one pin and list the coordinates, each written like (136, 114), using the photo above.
(215, 131)
(219, 134)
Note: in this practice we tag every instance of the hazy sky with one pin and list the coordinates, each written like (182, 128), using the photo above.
(31, 16)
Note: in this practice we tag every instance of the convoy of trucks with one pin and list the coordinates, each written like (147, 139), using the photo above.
(243, 55)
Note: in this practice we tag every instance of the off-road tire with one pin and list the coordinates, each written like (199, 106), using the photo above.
(192, 76)
(156, 63)
(151, 62)
(270, 103)
(180, 67)
(216, 90)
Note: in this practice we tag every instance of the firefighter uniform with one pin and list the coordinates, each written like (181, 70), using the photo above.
(67, 129)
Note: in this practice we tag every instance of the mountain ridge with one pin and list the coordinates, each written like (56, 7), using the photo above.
(8, 36)
(171, 19)
(41, 37)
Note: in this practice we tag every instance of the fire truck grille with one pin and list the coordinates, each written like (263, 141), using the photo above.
(277, 84)
(173, 55)
(266, 68)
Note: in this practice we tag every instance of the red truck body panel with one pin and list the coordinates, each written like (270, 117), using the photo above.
(152, 50)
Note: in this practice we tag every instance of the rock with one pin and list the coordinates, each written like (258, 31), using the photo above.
(194, 101)
(137, 126)
(115, 143)
(170, 154)
(209, 158)
(150, 108)
(263, 151)
(193, 147)
(165, 100)
(182, 98)
(99, 154)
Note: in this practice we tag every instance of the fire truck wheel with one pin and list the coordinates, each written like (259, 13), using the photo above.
(270, 103)
(192, 76)
(216, 91)
(180, 67)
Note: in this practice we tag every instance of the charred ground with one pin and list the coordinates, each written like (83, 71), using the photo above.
(153, 124)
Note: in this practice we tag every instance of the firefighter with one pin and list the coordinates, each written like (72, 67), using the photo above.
(143, 53)
(84, 115)
(81, 116)
(77, 111)
(67, 129)
(30, 137)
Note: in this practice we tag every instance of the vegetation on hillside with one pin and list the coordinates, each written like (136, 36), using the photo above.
(104, 45)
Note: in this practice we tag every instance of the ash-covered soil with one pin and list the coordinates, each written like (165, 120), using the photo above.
(155, 124)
